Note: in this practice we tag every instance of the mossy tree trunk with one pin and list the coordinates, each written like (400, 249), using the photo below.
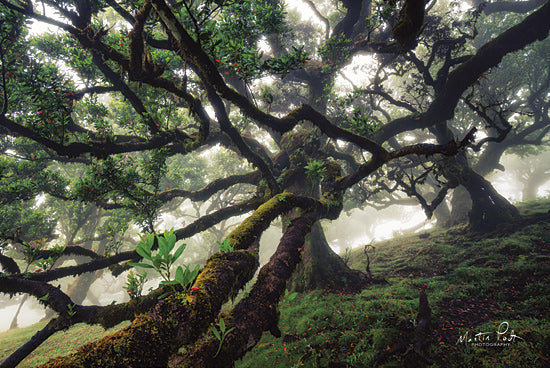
(321, 267)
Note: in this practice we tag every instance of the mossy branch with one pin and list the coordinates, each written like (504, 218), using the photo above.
(256, 313)
(176, 320)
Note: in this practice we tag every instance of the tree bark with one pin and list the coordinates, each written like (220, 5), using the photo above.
(14, 323)
(461, 204)
(489, 208)
(320, 268)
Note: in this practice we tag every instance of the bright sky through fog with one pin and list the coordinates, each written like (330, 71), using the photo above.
(305, 11)
(41, 27)
(354, 75)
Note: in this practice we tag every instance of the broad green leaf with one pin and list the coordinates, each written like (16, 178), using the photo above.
(222, 325)
(169, 244)
(144, 252)
(150, 240)
(179, 275)
(216, 333)
(169, 282)
(139, 264)
(195, 272)
(157, 262)
(170, 236)
(163, 246)
(164, 295)
(292, 296)
(178, 252)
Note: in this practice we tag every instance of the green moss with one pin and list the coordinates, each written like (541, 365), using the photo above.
(252, 227)
(470, 280)
(355, 328)
(146, 334)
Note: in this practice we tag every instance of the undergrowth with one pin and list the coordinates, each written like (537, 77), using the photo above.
(474, 283)
(59, 344)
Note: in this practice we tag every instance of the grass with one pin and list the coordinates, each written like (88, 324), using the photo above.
(474, 283)
(60, 343)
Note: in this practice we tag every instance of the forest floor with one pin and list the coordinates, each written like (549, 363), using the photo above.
(495, 284)
(489, 296)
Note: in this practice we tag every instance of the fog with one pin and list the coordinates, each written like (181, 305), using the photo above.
(353, 229)
(141, 189)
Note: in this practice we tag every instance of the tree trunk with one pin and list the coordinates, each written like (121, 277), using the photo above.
(489, 208)
(461, 204)
(532, 184)
(321, 268)
(14, 323)
(78, 291)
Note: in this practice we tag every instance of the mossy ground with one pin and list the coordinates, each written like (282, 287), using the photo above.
(60, 344)
(473, 282)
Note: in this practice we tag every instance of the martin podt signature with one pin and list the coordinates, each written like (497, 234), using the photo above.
(502, 336)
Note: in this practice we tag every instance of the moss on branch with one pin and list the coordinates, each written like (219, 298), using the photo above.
(176, 320)
(256, 313)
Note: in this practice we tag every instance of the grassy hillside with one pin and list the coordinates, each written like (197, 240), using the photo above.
(61, 343)
(474, 283)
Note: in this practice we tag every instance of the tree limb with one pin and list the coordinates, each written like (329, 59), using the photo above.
(532, 28)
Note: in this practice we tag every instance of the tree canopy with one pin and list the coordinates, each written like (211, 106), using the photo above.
(220, 110)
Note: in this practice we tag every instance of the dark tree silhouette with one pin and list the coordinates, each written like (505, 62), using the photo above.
(128, 89)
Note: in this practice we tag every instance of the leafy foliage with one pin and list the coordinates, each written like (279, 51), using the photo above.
(225, 246)
(315, 170)
(127, 113)
(221, 333)
(163, 260)
(134, 284)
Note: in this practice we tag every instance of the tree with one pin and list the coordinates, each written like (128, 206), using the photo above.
(127, 99)
(510, 103)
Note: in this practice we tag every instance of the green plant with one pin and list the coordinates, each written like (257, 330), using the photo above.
(290, 296)
(226, 246)
(32, 250)
(184, 277)
(221, 334)
(315, 170)
(163, 260)
(70, 310)
(134, 284)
